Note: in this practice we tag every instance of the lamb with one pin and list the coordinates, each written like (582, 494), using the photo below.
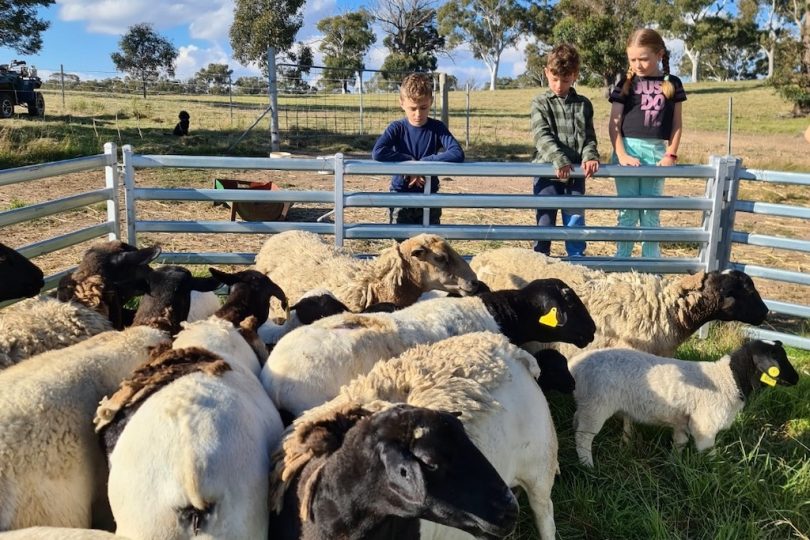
(52, 471)
(415, 463)
(190, 443)
(491, 382)
(637, 311)
(308, 366)
(110, 274)
(300, 261)
(694, 398)
(19, 277)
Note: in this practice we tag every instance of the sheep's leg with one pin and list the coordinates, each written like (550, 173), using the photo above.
(539, 495)
(704, 438)
(679, 438)
(627, 429)
(586, 425)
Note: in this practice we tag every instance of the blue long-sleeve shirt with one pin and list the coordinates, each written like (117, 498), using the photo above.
(403, 142)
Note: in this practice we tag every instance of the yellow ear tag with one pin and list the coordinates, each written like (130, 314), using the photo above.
(767, 379)
(550, 318)
(773, 371)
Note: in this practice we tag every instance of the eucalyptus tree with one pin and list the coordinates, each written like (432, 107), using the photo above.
(145, 54)
(346, 40)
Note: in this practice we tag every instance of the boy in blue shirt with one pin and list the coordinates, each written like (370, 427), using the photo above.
(416, 137)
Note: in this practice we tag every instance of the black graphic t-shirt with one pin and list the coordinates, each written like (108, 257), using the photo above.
(647, 113)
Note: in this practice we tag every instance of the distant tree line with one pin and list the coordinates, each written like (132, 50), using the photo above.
(722, 39)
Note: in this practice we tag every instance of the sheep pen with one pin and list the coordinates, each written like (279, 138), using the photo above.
(773, 454)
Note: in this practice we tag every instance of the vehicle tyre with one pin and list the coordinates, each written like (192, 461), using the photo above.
(6, 105)
(36, 107)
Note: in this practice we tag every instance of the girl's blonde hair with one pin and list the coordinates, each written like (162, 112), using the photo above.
(649, 39)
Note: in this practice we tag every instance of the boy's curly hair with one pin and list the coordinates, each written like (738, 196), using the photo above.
(416, 86)
(563, 60)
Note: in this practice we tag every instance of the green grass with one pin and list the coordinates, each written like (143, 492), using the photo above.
(754, 484)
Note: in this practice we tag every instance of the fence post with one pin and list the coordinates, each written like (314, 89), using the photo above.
(62, 75)
(111, 181)
(732, 189)
(339, 198)
(230, 97)
(467, 116)
(360, 90)
(715, 190)
(129, 193)
(444, 98)
(272, 90)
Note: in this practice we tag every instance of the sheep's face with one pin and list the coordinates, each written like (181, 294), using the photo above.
(548, 310)
(250, 295)
(771, 364)
(438, 266)
(20, 277)
(431, 470)
(737, 297)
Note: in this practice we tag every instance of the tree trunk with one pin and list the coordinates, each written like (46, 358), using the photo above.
(805, 32)
(694, 56)
(493, 74)
(144, 87)
(769, 52)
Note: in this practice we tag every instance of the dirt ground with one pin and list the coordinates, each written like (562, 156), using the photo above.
(32, 192)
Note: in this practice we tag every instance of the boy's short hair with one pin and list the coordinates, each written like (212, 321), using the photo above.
(416, 86)
(563, 60)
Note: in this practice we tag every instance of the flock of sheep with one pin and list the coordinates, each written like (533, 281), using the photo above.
(400, 397)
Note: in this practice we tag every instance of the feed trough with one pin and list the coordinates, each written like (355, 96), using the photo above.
(254, 211)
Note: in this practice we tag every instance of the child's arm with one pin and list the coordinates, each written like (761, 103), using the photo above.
(385, 149)
(675, 138)
(615, 131)
(451, 152)
(545, 140)
(590, 154)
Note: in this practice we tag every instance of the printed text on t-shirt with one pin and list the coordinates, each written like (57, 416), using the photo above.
(652, 101)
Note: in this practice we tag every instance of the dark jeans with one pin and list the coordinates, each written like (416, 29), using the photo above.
(413, 216)
(547, 217)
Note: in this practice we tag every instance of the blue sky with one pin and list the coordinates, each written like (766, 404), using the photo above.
(83, 34)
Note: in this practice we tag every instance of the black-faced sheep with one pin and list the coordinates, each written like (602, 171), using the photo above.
(694, 398)
(492, 384)
(639, 311)
(52, 471)
(300, 261)
(308, 366)
(353, 475)
(193, 428)
(19, 277)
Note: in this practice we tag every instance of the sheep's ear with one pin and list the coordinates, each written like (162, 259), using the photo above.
(137, 257)
(419, 252)
(223, 277)
(404, 473)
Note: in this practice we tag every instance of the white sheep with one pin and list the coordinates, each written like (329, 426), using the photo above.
(52, 471)
(300, 261)
(492, 384)
(693, 398)
(308, 366)
(58, 533)
(194, 455)
(639, 311)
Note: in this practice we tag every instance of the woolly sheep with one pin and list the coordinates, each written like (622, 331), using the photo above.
(694, 398)
(308, 366)
(19, 277)
(491, 382)
(300, 261)
(52, 471)
(638, 311)
(194, 455)
(356, 475)
(58, 533)
(91, 298)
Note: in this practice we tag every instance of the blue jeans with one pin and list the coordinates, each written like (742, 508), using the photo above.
(648, 152)
(547, 217)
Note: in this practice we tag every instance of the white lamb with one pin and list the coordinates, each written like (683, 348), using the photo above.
(194, 456)
(694, 398)
(309, 365)
(300, 261)
(492, 383)
(639, 311)
(58, 533)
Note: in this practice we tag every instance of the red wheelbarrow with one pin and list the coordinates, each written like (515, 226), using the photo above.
(254, 211)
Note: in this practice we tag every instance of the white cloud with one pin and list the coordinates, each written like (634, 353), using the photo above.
(190, 59)
(115, 16)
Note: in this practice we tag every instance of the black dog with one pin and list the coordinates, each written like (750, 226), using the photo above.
(182, 126)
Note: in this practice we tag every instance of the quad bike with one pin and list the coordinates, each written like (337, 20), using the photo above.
(18, 84)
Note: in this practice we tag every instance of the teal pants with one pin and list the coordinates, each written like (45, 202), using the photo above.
(648, 152)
